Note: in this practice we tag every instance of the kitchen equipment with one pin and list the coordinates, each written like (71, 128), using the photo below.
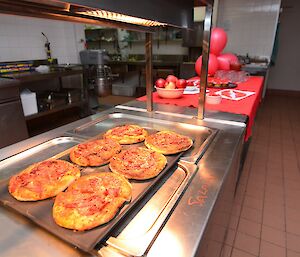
(103, 82)
(123, 89)
(13, 126)
(94, 57)
(97, 74)
(40, 212)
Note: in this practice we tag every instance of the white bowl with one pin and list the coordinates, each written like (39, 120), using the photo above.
(169, 93)
(213, 99)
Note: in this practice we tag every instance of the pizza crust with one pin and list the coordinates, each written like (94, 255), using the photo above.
(127, 134)
(138, 163)
(95, 153)
(79, 218)
(26, 186)
(168, 142)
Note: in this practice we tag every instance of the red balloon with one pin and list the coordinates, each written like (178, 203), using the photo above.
(213, 65)
(218, 40)
(223, 63)
(231, 58)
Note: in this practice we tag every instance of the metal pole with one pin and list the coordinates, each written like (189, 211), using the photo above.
(149, 82)
(205, 59)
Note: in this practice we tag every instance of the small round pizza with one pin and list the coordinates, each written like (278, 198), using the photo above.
(91, 201)
(138, 163)
(127, 134)
(95, 153)
(168, 142)
(43, 180)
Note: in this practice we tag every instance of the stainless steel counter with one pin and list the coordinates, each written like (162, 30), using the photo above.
(198, 223)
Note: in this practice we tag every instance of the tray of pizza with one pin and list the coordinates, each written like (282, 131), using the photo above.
(200, 135)
(40, 212)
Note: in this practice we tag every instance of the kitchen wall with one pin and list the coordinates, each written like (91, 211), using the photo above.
(284, 75)
(21, 39)
(250, 25)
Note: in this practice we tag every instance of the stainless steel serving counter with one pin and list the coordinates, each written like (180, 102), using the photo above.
(195, 226)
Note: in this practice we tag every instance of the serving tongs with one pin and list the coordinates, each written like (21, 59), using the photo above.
(137, 237)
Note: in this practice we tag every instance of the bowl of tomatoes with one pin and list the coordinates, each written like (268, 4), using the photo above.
(171, 87)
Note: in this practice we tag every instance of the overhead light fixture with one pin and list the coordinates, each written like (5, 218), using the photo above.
(121, 18)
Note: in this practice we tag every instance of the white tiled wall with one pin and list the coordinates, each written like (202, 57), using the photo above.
(250, 25)
(21, 39)
(284, 75)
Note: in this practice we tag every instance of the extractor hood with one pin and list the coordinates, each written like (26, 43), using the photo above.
(143, 15)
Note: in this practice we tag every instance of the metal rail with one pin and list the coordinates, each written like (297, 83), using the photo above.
(128, 242)
(205, 60)
(149, 78)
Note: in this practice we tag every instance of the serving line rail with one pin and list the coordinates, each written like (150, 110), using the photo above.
(199, 205)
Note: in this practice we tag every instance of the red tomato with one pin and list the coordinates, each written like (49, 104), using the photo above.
(181, 83)
(172, 78)
(170, 85)
(160, 83)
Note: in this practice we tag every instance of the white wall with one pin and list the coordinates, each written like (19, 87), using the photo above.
(250, 25)
(285, 74)
(21, 39)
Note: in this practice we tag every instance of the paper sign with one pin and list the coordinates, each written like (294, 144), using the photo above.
(233, 94)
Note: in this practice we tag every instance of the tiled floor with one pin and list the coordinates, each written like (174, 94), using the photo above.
(265, 219)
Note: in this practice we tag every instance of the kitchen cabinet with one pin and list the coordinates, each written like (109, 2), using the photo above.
(161, 36)
(57, 91)
(13, 126)
(99, 38)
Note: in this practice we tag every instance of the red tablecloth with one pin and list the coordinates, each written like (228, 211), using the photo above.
(247, 106)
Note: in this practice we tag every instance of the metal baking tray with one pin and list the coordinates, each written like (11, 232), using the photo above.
(14, 164)
(135, 238)
(40, 212)
(200, 135)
